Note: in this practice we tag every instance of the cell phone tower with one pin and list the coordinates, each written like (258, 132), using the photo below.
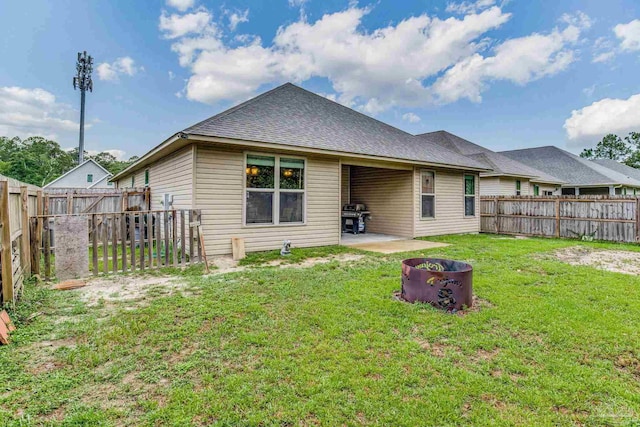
(82, 80)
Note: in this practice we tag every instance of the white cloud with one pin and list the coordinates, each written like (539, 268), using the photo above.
(629, 35)
(411, 118)
(589, 90)
(378, 69)
(603, 57)
(608, 115)
(469, 6)
(372, 70)
(28, 112)
(121, 66)
(520, 60)
(171, 75)
(118, 154)
(236, 18)
(297, 3)
(175, 25)
(181, 5)
(578, 19)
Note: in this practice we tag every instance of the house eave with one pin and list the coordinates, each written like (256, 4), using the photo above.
(290, 148)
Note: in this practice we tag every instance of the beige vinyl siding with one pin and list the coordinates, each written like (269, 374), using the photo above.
(345, 185)
(450, 218)
(388, 195)
(490, 186)
(504, 186)
(172, 174)
(219, 194)
(508, 186)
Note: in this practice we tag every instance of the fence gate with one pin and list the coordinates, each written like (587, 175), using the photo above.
(123, 241)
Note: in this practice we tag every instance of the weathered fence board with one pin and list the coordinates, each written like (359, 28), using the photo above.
(137, 238)
(611, 218)
(100, 200)
(17, 202)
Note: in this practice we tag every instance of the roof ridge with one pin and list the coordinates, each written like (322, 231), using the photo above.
(350, 109)
(237, 107)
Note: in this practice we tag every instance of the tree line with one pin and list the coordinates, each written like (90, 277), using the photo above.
(37, 160)
(613, 147)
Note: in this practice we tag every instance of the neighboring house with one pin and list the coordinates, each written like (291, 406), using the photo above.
(623, 169)
(507, 178)
(581, 176)
(89, 174)
(281, 165)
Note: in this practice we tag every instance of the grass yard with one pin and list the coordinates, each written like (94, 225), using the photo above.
(551, 344)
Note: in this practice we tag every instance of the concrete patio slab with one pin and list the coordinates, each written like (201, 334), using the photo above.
(394, 246)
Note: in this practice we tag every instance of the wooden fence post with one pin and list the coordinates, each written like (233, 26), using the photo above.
(25, 256)
(69, 204)
(558, 216)
(496, 213)
(638, 219)
(7, 269)
(35, 266)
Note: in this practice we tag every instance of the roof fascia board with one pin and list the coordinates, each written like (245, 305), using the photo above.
(145, 158)
(281, 147)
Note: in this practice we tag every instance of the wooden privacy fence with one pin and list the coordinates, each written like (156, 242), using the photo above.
(18, 201)
(128, 241)
(60, 201)
(612, 218)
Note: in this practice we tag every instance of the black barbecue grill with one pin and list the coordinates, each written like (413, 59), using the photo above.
(354, 218)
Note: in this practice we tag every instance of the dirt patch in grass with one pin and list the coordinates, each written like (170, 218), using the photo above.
(226, 264)
(126, 288)
(626, 262)
(629, 363)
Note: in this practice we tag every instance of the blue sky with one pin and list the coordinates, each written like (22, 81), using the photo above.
(504, 74)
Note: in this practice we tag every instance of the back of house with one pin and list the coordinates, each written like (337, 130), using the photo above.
(283, 165)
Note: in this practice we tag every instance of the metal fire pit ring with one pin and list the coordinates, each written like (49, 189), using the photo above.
(443, 283)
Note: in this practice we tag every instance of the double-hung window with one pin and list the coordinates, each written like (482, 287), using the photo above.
(469, 195)
(518, 188)
(427, 194)
(89, 177)
(275, 190)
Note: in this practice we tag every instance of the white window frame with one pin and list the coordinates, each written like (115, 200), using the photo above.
(276, 190)
(465, 195)
(422, 217)
(147, 177)
(518, 190)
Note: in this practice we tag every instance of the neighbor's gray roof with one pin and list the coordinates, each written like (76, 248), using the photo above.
(500, 164)
(290, 115)
(569, 167)
(619, 167)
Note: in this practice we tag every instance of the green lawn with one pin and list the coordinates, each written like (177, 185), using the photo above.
(551, 344)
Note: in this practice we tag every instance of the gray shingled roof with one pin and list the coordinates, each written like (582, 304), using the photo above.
(500, 164)
(569, 167)
(290, 115)
(619, 167)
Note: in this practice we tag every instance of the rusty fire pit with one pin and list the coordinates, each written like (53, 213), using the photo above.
(444, 283)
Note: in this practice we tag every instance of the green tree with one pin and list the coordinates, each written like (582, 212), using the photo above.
(35, 160)
(611, 147)
(633, 140)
